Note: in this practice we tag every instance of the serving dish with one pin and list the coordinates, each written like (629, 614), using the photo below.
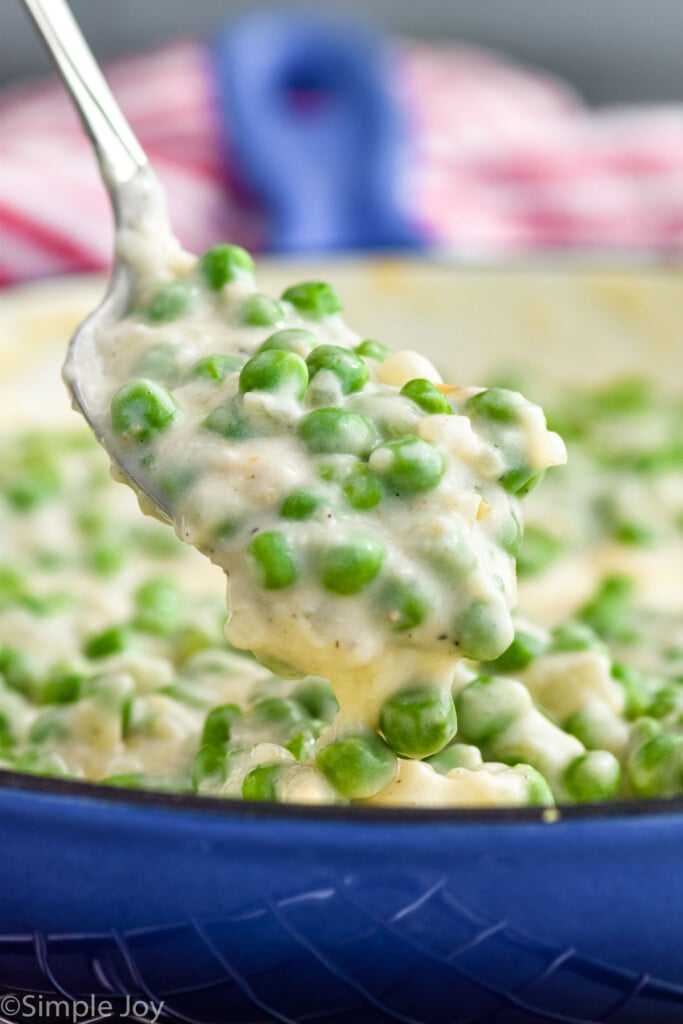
(230, 912)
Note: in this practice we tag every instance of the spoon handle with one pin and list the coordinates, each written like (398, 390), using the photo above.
(118, 152)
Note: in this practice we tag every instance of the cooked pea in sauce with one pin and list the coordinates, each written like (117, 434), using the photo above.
(367, 517)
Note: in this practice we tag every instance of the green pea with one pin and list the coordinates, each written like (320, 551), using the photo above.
(644, 730)
(170, 303)
(140, 409)
(158, 595)
(261, 782)
(157, 604)
(335, 431)
(455, 755)
(348, 568)
(302, 745)
(229, 420)
(521, 652)
(362, 489)
(142, 780)
(632, 532)
(521, 480)
(403, 603)
(223, 263)
(261, 311)
(608, 610)
(626, 397)
(655, 767)
(291, 339)
(48, 604)
(428, 397)
(13, 586)
(274, 561)
(300, 504)
(39, 762)
(282, 712)
(106, 559)
(136, 715)
(91, 522)
(63, 688)
(497, 404)
(637, 688)
(358, 765)
(591, 725)
(14, 668)
(49, 727)
(314, 300)
(159, 363)
(512, 535)
(348, 368)
(12, 582)
(127, 780)
(576, 636)
(190, 640)
(209, 769)
(275, 370)
(38, 486)
(370, 349)
(419, 720)
(539, 793)
(113, 640)
(6, 737)
(539, 551)
(218, 724)
(216, 367)
(408, 465)
(481, 631)
(666, 702)
(488, 705)
(593, 776)
(316, 696)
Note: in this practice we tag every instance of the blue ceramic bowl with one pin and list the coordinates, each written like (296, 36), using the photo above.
(237, 913)
(229, 912)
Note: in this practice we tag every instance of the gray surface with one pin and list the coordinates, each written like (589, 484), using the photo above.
(612, 50)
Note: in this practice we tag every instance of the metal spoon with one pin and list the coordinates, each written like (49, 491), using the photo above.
(134, 190)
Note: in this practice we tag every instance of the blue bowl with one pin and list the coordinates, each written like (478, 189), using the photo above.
(233, 912)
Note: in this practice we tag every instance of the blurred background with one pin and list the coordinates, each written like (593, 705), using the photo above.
(479, 130)
(612, 50)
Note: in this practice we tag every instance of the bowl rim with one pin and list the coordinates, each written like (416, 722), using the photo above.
(350, 814)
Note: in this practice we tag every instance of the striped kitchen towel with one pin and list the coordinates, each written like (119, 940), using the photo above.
(502, 160)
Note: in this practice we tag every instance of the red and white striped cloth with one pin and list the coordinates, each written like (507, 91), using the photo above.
(508, 160)
(503, 160)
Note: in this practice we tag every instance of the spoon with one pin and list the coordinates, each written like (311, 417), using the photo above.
(134, 190)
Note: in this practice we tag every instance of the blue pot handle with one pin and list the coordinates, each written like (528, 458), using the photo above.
(316, 130)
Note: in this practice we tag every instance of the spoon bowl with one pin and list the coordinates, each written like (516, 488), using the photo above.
(136, 196)
(133, 203)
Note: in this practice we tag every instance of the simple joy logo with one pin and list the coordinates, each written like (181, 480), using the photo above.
(33, 1006)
